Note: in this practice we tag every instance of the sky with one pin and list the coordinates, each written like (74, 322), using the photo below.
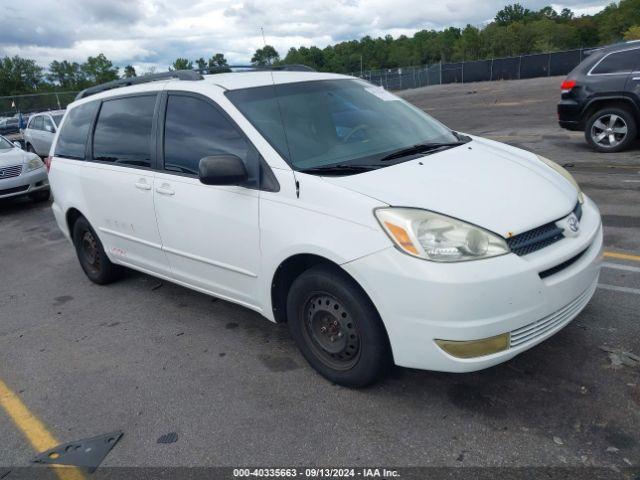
(152, 33)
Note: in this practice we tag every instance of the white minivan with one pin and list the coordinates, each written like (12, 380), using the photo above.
(376, 233)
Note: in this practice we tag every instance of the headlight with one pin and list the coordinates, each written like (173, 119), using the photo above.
(562, 171)
(439, 238)
(34, 164)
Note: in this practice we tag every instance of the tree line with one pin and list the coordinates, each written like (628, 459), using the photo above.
(515, 30)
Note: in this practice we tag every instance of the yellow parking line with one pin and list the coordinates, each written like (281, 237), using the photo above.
(34, 430)
(622, 256)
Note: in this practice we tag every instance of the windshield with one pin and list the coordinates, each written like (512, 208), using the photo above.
(331, 122)
(5, 144)
(57, 118)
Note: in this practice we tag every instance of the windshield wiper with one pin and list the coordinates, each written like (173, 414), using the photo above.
(419, 148)
(340, 169)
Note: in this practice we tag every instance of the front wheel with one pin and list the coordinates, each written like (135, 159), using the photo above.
(337, 328)
(91, 254)
(611, 130)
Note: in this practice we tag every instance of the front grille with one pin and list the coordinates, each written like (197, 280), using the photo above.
(561, 266)
(535, 239)
(539, 237)
(563, 316)
(9, 172)
(8, 191)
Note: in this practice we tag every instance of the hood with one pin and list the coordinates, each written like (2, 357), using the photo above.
(15, 156)
(492, 185)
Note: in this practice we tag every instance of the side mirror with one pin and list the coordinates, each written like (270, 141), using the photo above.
(49, 128)
(17, 145)
(223, 169)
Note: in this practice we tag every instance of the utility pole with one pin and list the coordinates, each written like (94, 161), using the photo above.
(360, 65)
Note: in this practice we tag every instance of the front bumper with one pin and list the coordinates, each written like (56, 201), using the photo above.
(24, 184)
(421, 301)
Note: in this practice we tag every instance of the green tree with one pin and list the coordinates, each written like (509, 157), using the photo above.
(513, 13)
(19, 75)
(67, 75)
(201, 63)
(266, 55)
(633, 33)
(469, 45)
(129, 71)
(218, 64)
(99, 69)
(181, 64)
(616, 19)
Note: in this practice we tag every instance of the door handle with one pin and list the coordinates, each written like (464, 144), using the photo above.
(165, 190)
(142, 186)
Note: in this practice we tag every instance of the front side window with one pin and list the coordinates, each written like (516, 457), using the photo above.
(330, 122)
(620, 62)
(57, 118)
(38, 124)
(123, 131)
(73, 136)
(195, 129)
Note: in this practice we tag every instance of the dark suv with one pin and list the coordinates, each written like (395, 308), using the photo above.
(601, 97)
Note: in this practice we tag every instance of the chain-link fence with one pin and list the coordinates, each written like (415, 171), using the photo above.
(509, 68)
(34, 102)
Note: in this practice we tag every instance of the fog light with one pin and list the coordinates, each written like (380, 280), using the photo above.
(475, 348)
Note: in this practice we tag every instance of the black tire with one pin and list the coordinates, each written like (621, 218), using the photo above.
(30, 149)
(611, 130)
(93, 259)
(353, 349)
(40, 196)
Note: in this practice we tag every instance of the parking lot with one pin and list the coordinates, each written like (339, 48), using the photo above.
(149, 358)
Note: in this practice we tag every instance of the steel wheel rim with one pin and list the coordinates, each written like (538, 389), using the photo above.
(331, 331)
(89, 247)
(609, 130)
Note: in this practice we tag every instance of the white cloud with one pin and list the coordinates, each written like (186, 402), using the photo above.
(149, 33)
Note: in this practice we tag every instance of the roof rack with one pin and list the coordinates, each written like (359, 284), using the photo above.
(187, 75)
(125, 82)
(278, 68)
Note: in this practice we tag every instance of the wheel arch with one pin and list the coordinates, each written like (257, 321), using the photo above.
(610, 102)
(290, 269)
(71, 217)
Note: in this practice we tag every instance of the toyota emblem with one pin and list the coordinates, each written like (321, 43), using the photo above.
(573, 223)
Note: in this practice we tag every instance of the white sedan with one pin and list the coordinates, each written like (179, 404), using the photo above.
(21, 173)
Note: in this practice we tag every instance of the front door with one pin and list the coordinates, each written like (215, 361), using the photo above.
(209, 233)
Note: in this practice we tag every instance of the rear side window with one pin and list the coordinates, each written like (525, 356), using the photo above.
(123, 131)
(621, 62)
(72, 139)
(195, 129)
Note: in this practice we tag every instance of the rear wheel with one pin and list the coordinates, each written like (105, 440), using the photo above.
(93, 259)
(30, 148)
(337, 328)
(611, 130)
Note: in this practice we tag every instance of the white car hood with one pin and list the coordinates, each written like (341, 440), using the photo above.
(15, 156)
(492, 185)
